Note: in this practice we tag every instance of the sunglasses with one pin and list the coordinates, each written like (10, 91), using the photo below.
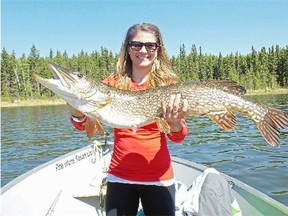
(137, 45)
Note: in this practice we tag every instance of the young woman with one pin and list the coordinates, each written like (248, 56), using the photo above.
(140, 168)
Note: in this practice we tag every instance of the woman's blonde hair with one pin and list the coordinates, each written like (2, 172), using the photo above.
(161, 72)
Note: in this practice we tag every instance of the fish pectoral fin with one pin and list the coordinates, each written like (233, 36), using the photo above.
(225, 120)
(99, 128)
(163, 125)
(92, 126)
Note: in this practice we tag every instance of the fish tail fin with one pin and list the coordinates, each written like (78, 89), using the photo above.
(225, 120)
(92, 126)
(271, 124)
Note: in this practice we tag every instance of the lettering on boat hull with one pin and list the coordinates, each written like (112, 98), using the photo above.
(73, 160)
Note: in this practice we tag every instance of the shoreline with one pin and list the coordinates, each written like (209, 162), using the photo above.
(34, 102)
(59, 101)
(267, 92)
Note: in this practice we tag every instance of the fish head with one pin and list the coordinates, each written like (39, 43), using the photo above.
(72, 86)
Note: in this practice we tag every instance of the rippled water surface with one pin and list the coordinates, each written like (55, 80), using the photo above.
(31, 136)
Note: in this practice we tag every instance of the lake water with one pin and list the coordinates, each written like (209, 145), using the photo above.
(34, 135)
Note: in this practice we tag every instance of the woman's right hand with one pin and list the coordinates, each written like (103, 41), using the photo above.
(75, 113)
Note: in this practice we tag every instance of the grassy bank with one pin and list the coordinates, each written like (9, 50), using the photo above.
(268, 92)
(49, 102)
(36, 102)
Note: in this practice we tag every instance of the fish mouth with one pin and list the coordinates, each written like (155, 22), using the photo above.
(64, 82)
(60, 74)
(64, 75)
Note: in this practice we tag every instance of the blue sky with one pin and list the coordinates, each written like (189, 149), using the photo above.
(74, 25)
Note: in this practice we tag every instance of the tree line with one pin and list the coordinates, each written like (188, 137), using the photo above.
(264, 69)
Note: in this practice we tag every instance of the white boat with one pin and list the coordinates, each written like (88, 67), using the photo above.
(71, 185)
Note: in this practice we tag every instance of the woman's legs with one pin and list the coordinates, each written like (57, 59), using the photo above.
(121, 199)
(158, 200)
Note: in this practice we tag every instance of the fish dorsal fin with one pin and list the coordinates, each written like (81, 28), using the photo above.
(92, 126)
(163, 125)
(225, 120)
(229, 86)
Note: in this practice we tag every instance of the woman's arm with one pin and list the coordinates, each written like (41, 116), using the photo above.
(77, 118)
(180, 135)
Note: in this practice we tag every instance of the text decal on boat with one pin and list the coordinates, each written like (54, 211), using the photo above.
(70, 161)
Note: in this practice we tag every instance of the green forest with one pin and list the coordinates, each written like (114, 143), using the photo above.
(260, 69)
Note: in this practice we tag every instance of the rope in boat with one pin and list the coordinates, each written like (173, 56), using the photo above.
(97, 148)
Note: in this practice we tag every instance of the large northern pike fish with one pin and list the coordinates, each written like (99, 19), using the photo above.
(132, 109)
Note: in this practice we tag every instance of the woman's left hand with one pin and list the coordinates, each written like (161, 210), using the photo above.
(173, 113)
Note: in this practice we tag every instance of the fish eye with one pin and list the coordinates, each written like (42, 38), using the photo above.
(79, 75)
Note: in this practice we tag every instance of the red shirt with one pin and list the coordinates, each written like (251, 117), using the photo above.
(142, 155)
